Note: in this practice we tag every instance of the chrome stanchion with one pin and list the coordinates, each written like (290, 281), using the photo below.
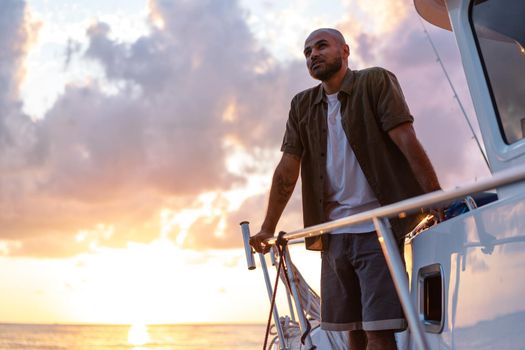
(245, 226)
(397, 270)
(276, 320)
(273, 259)
(300, 312)
(290, 305)
(288, 295)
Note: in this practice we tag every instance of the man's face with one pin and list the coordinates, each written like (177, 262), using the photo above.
(324, 55)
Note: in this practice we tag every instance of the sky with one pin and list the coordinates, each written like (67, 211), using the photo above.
(135, 136)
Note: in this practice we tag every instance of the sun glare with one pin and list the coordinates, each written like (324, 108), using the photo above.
(138, 335)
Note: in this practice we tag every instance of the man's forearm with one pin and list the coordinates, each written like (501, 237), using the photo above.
(423, 169)
(283, 184)
(405, 138)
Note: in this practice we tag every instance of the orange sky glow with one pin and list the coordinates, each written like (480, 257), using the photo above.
(135, 136)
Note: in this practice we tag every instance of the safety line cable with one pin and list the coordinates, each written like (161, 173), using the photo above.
(281, 244)
(272, 304)
(456, 96)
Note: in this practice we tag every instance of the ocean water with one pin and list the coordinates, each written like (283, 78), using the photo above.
(158, 337)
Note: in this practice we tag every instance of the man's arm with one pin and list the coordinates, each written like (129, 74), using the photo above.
(404, 136)
(283, 183)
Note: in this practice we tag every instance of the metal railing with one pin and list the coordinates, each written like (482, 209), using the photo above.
(411, 205)
(380, 218)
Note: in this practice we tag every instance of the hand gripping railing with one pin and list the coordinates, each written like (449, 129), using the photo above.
(380, 217)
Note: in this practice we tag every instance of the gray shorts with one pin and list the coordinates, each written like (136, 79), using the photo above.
(357, 292)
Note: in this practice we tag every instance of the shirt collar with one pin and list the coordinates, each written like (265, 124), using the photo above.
(346, 86)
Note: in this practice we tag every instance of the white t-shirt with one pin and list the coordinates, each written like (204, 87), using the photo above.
(346, 189)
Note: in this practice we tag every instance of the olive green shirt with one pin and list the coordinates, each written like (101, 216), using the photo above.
(372, 103)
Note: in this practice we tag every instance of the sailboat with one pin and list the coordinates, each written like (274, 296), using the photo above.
(463, 284)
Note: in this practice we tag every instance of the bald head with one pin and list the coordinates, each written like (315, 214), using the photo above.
(326, 54)
(333, 33)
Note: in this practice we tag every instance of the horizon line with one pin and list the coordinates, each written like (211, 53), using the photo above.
(131, 324)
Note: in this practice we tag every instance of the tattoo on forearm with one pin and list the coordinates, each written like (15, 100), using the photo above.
(284, 188)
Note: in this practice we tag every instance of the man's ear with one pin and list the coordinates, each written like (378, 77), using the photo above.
(346, 51)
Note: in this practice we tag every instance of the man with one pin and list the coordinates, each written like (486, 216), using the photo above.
(353, 140)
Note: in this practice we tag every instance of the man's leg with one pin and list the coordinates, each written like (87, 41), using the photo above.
(357, 340)
(340, 291)
(382, 311)
(381, 340)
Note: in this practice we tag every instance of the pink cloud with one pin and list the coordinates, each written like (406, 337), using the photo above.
(119, 159)
(158, 141)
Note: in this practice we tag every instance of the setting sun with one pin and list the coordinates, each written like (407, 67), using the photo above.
(138, 335)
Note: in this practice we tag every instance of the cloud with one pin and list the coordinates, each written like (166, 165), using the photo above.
(401, 46)
(440, 124)
(16, 33)
(150, 150)
(157, 140)
(19, 151)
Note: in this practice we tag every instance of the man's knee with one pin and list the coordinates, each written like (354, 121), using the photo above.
(384, 340)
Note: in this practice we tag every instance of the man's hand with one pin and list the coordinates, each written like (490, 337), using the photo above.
(258, 241)
(438, 213)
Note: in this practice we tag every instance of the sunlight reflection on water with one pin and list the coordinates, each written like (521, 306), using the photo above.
(138, 335)
(160, 337)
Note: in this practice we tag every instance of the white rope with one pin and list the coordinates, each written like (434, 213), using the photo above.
(310, 300)
(311, 304)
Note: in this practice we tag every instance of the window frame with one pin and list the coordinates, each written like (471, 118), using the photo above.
(488, 81)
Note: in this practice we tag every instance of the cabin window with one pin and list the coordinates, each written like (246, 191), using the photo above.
(431, 298)
(500, 32)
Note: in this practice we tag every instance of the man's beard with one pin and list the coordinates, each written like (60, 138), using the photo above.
(325, 72)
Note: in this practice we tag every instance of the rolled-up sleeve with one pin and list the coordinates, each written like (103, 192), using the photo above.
(292, 138)
(392, 109)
